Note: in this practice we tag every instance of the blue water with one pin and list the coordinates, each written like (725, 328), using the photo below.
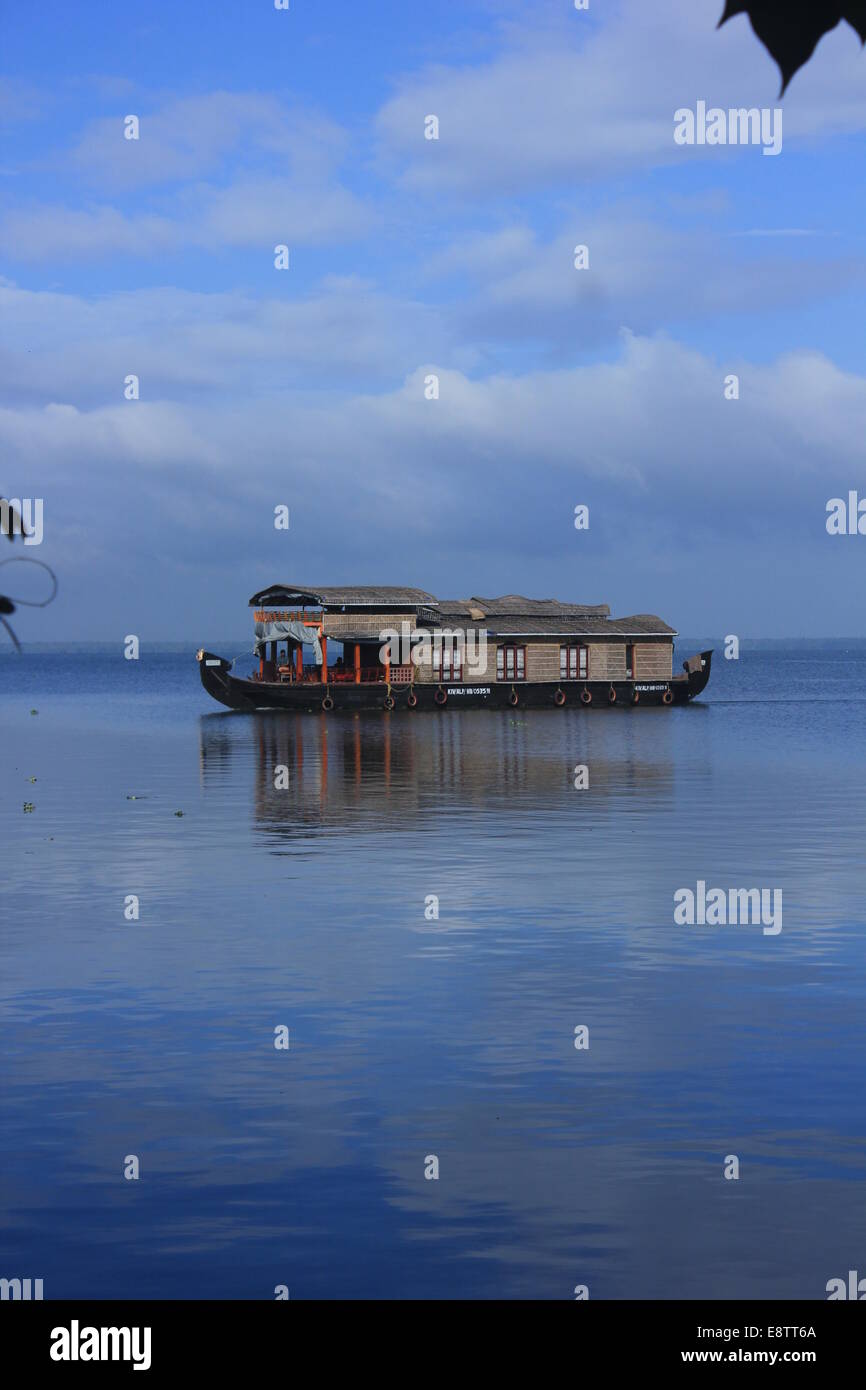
(409, 1037)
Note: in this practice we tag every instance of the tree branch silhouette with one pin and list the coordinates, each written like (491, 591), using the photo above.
(12, 525)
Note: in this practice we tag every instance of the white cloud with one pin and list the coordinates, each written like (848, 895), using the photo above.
(484, 479)
(572, 100)
(62, 346)
(47, 232)
(641, 272)
(192, 137)
(259, 213)
(219, 170)
(678, 478)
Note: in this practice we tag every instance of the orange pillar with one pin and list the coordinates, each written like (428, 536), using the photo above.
(324, 641)
(299, 664)
(357, 663)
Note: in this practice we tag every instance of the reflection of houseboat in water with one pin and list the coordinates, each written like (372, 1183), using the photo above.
(403, 649)
(321, 775)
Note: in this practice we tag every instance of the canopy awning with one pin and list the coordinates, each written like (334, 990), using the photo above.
(294, 632)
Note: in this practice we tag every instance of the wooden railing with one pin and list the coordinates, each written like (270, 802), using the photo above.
(345, 675)
(342, 675)
(268, 615)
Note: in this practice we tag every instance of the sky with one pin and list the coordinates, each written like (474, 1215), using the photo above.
(409, 258)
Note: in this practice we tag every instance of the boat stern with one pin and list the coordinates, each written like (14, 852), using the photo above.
(697, 670)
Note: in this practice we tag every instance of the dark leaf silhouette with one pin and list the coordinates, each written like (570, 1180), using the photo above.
(790, 29)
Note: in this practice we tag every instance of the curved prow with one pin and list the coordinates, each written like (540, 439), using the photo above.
(214, 672)
(697, 670)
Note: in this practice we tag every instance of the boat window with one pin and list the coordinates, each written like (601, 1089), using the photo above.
(449, 661)
(573, 663)
(511, 663)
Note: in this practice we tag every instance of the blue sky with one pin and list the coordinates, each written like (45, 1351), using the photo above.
(409, 257)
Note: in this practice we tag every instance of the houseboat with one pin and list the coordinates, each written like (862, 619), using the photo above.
(387, 648)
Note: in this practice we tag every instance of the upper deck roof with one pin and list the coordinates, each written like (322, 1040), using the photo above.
(517, 605)
(511, 615)
(354, 596)
(589, 625)
(390, 596)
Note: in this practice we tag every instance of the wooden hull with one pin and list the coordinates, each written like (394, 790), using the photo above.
(344, 697)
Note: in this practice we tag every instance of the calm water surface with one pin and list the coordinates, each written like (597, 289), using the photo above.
(305, 907)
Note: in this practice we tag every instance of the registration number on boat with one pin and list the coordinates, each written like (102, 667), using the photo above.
(468, 689)
(650, 687)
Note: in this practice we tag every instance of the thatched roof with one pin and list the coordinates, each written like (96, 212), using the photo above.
(518, 604)
(511, 615)
(642, 625)
(354, 596)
